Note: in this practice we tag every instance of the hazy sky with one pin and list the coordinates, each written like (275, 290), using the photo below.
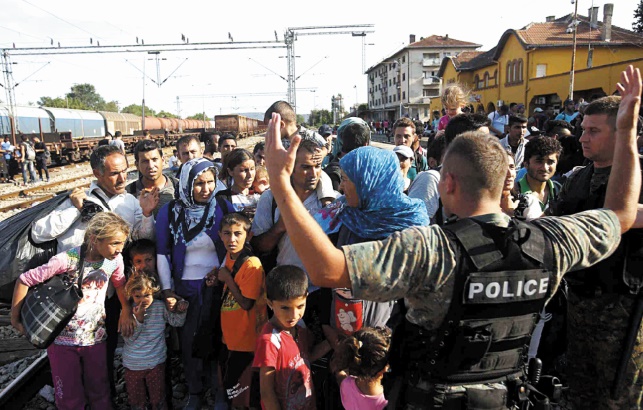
(229, 81)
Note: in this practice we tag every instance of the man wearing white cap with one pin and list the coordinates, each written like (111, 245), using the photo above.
(405, 155)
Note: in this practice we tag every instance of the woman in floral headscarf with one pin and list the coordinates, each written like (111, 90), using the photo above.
(188, 249)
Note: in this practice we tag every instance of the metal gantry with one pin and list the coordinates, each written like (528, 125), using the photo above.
(291, 36)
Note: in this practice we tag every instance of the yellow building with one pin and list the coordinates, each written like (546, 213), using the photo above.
(532, 65)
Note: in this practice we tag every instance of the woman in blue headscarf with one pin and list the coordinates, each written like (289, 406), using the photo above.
(373, 207)
(188, 248)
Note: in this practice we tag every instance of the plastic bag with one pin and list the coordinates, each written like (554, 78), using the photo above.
(18, 252)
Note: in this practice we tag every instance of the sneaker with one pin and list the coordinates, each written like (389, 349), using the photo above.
(193, 403)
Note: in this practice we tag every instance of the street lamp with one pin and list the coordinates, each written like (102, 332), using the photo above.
(356, 103)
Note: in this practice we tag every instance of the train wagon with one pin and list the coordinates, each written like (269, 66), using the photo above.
(125, 123)
(239, 125)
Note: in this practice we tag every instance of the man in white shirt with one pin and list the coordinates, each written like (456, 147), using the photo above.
(499, 119)
(68, 222)
(515, 139)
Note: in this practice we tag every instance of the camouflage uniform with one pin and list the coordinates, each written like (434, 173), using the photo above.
(418, 264)
(599, 310)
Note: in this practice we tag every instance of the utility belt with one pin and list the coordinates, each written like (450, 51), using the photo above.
(512, 392)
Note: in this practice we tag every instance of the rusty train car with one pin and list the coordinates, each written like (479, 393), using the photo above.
(239, 125)
(71, 135)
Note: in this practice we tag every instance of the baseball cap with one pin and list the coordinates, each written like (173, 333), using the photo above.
(403, 150)
(538, 109)
(325, 130)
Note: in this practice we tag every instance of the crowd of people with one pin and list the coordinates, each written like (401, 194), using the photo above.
(30, 155)
(316, 271)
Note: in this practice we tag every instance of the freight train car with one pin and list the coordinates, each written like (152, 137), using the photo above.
(123, 122)
(238, 125)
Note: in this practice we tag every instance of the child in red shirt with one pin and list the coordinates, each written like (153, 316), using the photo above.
(282, 353)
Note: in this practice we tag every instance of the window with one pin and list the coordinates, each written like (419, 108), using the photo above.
(389, 82)
(394, 98)
(403, 76)
(430, 56)
(404, 59)
(476, 81)
(486, 79)
(430, 92)
(390, 99)
(509, 72)
(404, 95)
(516, 76)
(541, 70)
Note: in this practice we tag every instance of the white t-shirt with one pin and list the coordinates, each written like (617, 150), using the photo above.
(498, 121)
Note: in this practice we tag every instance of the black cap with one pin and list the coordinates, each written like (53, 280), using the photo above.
(325, 130)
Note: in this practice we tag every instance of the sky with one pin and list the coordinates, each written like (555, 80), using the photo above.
(232, 81)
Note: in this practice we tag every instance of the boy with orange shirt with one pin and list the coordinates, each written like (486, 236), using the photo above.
(243, 309)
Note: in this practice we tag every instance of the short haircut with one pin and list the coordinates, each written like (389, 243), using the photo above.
(309, 145)
(503, 109)
(227, 137)
(517, 119)
(118, 134)
(419, 127)
(553, 127)
(513, 104)
(462, 123)
(210, 141)
(606, 105)
(479, 162)
(354, 136)
(146, 146)
(436, 148)
(187, 139)
(403, 123)
(286, 282)
(282, 108)
(235, 218)
(542, 146)
(142, 247)
(260, 146)
(100, 154)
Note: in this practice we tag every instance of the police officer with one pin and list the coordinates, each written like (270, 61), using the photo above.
(604, 365)
(472, 289)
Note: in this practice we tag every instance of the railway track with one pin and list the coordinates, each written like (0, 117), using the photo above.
(39, 193)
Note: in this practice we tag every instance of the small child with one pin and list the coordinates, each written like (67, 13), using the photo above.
(243, 309)
(142, 254)
(79, 352)
(283, 347)
(144, 353)
(360, 362)
(261, 182)
(454, 98)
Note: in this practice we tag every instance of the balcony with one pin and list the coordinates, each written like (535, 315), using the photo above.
(431, 81)
(430, 62)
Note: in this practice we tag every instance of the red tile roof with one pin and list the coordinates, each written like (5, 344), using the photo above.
(442, 42)
(552, 34)
(465, 57)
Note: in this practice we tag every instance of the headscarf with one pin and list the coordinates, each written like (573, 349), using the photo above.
(191, 217)
(383, 207)
(339, 141)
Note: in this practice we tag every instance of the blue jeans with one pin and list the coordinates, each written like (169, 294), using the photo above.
(28, 165)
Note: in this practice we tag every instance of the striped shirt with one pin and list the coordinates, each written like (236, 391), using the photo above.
(146, 347)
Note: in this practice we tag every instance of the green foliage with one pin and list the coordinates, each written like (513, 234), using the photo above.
(87, 95)
(165, 114)
(137, 109)
(300, 119)
(637, 25)
(60, 102)
(111, 106)
(199, 116)
(319, 117)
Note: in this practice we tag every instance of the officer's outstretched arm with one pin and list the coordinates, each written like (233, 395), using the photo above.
(624, 185)
(325, 264)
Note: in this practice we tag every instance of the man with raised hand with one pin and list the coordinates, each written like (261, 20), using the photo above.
(450, 290)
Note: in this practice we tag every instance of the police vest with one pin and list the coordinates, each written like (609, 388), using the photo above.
(583, 195)
(502, 281)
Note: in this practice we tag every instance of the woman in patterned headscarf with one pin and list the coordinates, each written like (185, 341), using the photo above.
(188, 249)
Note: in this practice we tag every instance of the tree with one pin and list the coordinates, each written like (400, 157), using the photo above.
(638, 18)
(87, 95)
(300, 119)
(111, 106)
(137, 110)
(165, 114)
(198, 116)
(60, 102)
(319, 117)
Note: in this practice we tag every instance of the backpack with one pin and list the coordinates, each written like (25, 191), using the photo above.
(269, 259)
(30, 153)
